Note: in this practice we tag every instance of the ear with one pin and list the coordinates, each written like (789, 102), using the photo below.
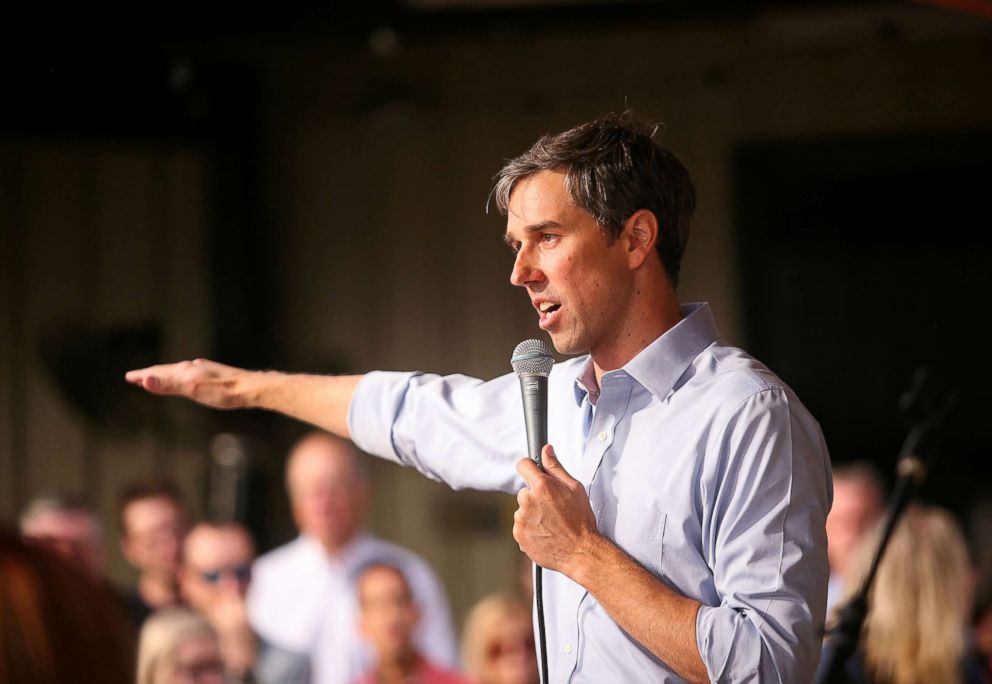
(641, 235)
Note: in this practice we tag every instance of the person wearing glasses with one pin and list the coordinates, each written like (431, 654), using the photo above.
(214, 580)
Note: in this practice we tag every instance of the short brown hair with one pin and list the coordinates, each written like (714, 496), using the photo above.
(147, 489)
(613, 168)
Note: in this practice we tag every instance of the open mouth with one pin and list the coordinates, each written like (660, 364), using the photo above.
(549, 314)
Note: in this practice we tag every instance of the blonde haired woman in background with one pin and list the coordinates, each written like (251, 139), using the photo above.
(178, 646)
(498, 642)
(919, 605)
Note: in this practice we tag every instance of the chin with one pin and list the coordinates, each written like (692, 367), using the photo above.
(568, 346)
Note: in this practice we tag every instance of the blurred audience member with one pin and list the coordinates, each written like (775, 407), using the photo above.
(916, 628)
(388, 617)
(153, 523)
(178, 646)
(981, 622)
(859, 500)
(302, 595)
(67, 524)
(214, 579)
(56, 624)
(498, 642)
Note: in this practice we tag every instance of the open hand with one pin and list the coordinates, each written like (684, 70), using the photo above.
(206, 382)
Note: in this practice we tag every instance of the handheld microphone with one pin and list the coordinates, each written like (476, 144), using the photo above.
(532, 362)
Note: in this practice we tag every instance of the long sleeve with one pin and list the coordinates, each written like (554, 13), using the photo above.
(763, 535)
(454, 429)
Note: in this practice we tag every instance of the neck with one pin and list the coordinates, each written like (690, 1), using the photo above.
(335, 547)
(397, 668)
(157, 590)
(653, 309)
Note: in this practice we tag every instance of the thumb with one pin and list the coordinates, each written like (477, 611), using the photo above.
(549, 459)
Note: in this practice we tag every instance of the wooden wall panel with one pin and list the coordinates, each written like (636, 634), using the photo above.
(104, 235)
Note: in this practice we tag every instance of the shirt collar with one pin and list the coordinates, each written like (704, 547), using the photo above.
(658, 366)
(345, 556)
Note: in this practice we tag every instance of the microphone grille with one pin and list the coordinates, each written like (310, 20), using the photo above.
(532, 356)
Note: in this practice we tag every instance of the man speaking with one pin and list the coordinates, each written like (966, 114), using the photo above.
(680, 518)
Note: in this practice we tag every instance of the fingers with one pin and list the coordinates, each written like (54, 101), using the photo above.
(136, 377)
(529, 471)
(146, 378)
(171, 378)
(155, 379)
(532, 473)
(553, 467)
(549, 458)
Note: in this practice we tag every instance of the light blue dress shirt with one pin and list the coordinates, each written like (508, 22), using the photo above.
(699, 463)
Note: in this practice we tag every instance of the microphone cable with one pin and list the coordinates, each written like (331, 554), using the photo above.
(541, 634)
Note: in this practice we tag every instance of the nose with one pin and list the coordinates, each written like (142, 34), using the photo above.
(525, 273)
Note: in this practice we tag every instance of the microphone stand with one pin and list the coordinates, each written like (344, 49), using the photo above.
(912, 467)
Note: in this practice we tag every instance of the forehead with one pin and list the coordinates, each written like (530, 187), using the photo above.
(381, 580)
(146, 513)
(541, 198)
(320, 459)
(854, 494)
(58, 523)
(208, 545)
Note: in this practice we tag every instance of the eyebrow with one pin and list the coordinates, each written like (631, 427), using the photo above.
(533, 228)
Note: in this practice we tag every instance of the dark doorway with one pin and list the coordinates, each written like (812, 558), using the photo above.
(862, 260)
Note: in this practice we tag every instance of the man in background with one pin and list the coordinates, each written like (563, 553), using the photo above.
(214, 581)
(153, 522)
(67, 524)
(858, 503)
(302, 595)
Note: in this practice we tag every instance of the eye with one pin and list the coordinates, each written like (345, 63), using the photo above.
(513, 245)
(549, 238)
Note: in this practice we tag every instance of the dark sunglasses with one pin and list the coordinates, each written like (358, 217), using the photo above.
(242, 573)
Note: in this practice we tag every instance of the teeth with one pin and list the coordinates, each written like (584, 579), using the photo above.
(547, 306)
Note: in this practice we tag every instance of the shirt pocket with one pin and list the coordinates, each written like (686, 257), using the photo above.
(640, 531)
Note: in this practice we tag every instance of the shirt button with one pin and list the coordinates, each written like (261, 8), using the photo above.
(601, 436)
(568, 648)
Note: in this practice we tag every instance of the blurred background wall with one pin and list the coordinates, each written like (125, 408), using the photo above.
(308, 192)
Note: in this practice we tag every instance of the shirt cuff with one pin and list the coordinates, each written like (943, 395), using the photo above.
(729, 644)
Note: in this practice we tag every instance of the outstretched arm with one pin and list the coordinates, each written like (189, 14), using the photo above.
(321, 400)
